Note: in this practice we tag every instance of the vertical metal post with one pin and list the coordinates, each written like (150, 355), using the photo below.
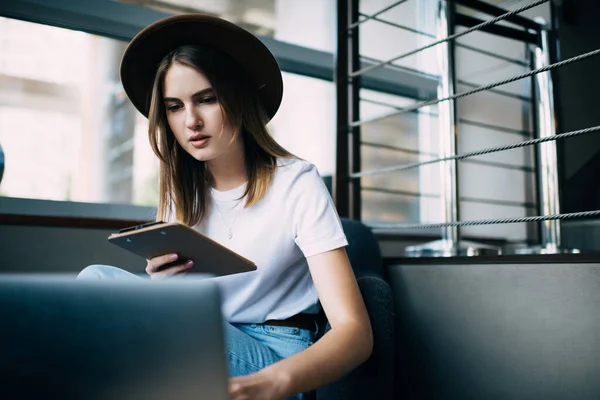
(347, 191)
(354, 106)
(548, 170)
(342, 167)
(447, 124)
(547, 160)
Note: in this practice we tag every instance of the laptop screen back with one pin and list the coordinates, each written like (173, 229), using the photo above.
(61, 338)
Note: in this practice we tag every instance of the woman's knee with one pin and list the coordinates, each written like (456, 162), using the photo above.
(102, 272)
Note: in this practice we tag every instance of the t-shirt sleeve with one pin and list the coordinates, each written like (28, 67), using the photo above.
(316, 222)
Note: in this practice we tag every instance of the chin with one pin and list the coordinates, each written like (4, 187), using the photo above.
(204, 154)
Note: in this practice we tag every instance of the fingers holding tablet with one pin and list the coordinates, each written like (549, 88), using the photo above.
(167, 265)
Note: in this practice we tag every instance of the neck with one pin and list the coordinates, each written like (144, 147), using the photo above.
(229, 170)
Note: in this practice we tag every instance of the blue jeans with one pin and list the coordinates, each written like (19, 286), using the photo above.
(250, 347)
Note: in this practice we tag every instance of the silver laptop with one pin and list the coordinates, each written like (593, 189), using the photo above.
(67, 339)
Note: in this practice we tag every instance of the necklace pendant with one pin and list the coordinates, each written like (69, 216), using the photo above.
(230, 234)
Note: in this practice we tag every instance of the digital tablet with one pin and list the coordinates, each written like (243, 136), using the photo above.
(160, 238)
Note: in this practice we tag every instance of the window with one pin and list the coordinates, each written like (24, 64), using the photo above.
(305, 122)
(491, 186)
(69, 132)
(411, 195)
(67, 129)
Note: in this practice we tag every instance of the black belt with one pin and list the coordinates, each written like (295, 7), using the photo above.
(301, 321)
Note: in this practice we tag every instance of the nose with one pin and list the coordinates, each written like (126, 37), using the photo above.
(193, 121)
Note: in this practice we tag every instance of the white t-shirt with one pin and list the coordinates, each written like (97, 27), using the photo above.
(296, 219)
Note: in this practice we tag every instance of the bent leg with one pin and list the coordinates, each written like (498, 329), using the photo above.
(248, 350)
(246, 355)
(105, 272)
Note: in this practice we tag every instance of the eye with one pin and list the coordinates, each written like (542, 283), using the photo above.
(207, 100)
(173, 107)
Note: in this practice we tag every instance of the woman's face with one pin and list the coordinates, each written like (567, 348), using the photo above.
(194, 114)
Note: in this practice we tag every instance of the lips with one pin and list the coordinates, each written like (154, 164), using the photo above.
(198, 137)
(199, 141)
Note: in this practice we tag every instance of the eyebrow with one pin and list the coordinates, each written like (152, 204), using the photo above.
(197, 94)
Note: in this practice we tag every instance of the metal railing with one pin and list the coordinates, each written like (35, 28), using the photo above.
(347, 182)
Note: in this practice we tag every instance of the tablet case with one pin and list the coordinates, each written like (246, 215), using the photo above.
(157, 239)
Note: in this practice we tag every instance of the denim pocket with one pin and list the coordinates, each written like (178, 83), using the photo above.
(289, 333)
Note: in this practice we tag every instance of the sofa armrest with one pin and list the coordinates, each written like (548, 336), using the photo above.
(374, 378)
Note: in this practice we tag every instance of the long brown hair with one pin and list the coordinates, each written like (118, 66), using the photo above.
(185, 182)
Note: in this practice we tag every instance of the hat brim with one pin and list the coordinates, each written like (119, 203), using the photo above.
(145, 51)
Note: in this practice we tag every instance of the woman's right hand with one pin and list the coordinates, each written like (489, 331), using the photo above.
(155, 266)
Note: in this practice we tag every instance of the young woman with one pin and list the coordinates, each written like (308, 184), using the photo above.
(208, 89)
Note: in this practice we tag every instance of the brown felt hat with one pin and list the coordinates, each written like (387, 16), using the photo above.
(144, 52)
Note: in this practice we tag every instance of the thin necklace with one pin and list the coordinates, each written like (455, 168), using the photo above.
(230, 227)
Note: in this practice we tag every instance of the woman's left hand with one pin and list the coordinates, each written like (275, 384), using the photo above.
(258, 386)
